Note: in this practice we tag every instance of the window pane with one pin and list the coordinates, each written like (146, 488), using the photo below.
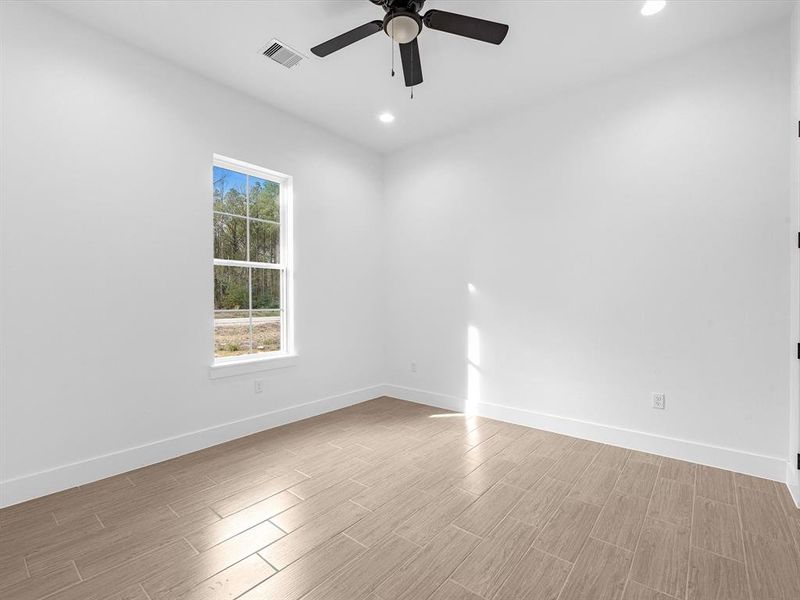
(230, 288)
(266, 310)
(265, 199)
(231, 311)
(266, 289)
(231, 333)
(230, 237)
(266, 330)
(265, 242)
(230, 191)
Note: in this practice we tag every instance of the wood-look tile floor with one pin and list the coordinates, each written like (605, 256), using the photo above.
(389, 500)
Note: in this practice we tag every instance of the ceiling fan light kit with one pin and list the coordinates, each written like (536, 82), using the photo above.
(403, 27)
(404, 23)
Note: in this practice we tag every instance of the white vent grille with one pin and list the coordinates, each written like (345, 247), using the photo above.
(282, 54)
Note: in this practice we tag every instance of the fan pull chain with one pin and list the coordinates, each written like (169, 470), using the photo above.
(391, 45)
(412, 92)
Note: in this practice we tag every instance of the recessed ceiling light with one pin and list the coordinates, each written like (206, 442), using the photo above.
(652, 7)
(386, 117)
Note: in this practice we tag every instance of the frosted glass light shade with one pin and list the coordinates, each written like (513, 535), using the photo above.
(402, 29)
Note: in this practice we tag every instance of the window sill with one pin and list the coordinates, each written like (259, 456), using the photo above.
(252, 365)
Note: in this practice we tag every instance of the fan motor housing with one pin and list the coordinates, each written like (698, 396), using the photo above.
(406, 5)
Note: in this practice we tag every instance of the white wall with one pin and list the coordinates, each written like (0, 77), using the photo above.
(107, 249)
(627, 238)
(793, 478)
(623, 239)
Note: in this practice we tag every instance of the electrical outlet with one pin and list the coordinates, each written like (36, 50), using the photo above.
(659, 400)
(259, 386)
(413, 367)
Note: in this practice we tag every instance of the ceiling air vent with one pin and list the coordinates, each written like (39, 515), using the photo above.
(282, 54)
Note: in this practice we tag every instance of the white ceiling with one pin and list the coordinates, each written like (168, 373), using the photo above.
(551, 45)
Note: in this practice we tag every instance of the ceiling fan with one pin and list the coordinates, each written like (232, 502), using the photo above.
(403, 24)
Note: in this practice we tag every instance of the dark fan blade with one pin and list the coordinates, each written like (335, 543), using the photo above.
(477, 29)
(344, 40)
(412, 67)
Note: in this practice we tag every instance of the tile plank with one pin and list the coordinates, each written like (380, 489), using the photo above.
(595, 485)
(600, 572)
(758, 484)
(716, 528)
(529, 471)
(621, 520)
(426, 523)
(490, 563)
(300, 577)
(123, 549)
(672, 502)
(772, 567)
(184, 575)
(486, 512)
(540, 502)
(293, 545)
(124, 577)
(715, 484)
(762, 513)
(570, 466)
(486, 475)
(662, 558)
(713, 577)
(366, 572)
(637, 478)
(226, 528)
(303, 512)
(430, 568)
(452, 591)
(611, 457)
(41, 585)
(247, 497)
(538, 576)
(135, 592)
(378, 495)
(568, 530)
(12, 570)
(87, 538)
(636, 591)
(678, 470)
(233, 581)
(388, 517)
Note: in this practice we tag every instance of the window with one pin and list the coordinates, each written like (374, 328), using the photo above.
(252, 254)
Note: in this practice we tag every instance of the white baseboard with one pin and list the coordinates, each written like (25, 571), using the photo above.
(434, 399)
(23, 488)
(60, 478)
(768, 467)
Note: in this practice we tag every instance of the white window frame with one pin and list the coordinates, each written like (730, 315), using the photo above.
(242, 364)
